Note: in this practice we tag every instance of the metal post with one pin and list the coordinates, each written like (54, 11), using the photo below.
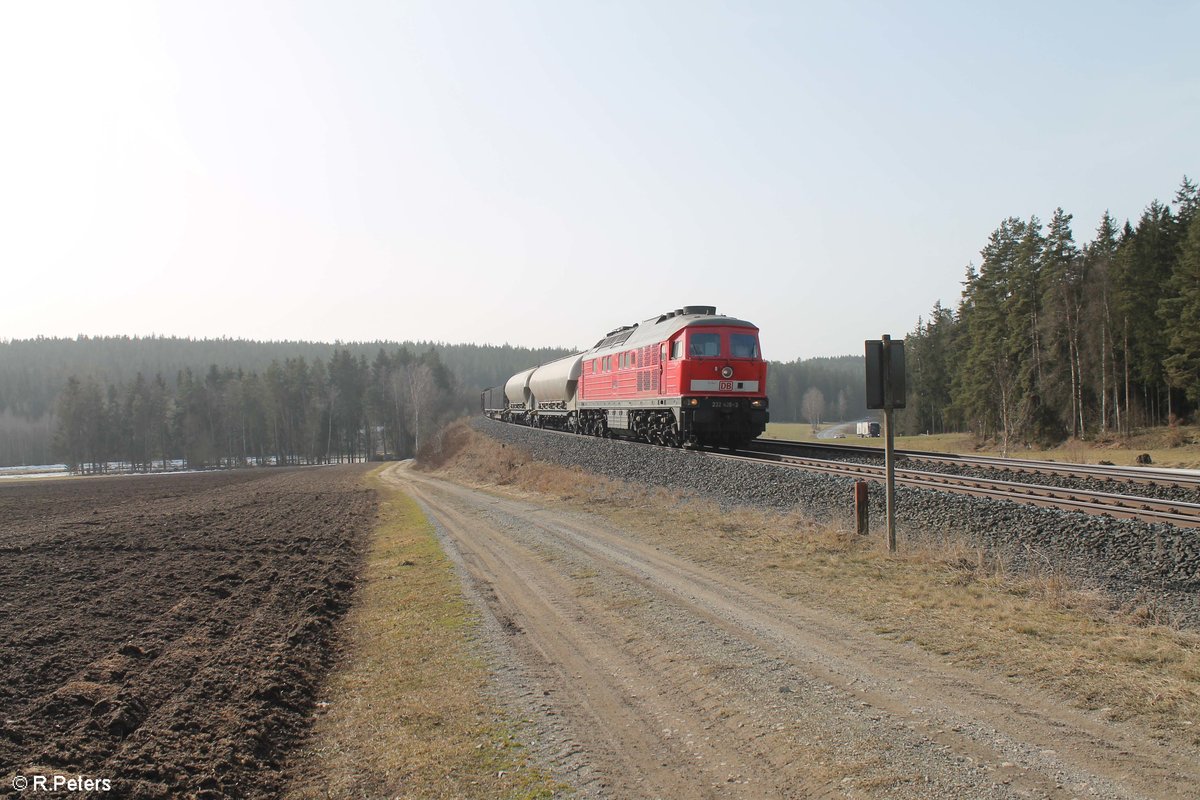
(889, 447)
(889, 460)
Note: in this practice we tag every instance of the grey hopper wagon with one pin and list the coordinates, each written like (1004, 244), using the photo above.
(553, 385)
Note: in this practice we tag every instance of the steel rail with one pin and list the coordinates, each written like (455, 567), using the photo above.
(1146, 509)
(1112, 474)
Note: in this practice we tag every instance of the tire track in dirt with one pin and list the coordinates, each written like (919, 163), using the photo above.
(706, 640)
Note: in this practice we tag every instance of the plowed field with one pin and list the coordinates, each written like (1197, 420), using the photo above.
(167, 633)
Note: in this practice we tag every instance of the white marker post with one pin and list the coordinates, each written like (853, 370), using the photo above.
(885, 390)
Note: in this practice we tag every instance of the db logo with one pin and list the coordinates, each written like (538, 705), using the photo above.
(725, 386)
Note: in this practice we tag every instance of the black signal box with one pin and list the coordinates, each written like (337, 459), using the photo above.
(885, 373)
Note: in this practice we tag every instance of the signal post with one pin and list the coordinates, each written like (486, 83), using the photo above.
(886, 390)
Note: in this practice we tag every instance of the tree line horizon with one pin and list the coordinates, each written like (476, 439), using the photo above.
(1049, 340)
(295, 413)
(35, 376)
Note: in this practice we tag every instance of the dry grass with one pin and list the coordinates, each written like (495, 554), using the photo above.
(406, 714)
(1037, 628)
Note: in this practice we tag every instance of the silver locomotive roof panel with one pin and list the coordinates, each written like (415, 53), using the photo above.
(658, 329)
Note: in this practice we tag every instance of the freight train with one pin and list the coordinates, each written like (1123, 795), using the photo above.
(689, 377)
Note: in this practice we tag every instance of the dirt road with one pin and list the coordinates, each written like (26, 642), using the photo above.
(647, 675)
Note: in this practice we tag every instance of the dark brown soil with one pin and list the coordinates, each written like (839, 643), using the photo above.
(169, 632)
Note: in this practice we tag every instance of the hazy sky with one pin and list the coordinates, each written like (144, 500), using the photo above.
(539, 173)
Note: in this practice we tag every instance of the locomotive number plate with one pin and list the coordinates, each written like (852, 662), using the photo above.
(724, 404)
(725, 386)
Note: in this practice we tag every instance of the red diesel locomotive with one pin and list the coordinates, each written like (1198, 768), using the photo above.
(688, 377)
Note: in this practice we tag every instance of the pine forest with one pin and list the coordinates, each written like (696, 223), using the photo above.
(1053, 339)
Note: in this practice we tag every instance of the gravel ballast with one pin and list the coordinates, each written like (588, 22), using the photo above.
(1139, 564)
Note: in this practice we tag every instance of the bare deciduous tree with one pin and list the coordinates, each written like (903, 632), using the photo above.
(422, 392)
(813, 406)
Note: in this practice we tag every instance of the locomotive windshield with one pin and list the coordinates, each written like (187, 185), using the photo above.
(743, 345)
(704, 344)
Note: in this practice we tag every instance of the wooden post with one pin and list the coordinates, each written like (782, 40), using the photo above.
(862, 518)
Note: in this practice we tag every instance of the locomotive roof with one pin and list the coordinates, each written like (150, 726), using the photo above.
(664, 326)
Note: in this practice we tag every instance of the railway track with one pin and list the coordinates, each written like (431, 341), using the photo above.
(1181, 514)
(1108, 474)
(1147, 509)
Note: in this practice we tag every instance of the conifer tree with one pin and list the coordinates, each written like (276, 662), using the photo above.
(1100, 255)
(1144, 265)
(1180, 313)
(1065, 275)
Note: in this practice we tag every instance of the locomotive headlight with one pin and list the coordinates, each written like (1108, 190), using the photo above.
(756, 403)
(694, 402)
(727, 372)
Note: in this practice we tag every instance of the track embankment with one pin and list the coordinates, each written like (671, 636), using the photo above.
(662, 648)
(1154, 567)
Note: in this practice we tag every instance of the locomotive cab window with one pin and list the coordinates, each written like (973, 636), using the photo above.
(677, 349)
(743, 345)
(704, 344)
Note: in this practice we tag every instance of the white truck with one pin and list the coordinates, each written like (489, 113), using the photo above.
(867, 430)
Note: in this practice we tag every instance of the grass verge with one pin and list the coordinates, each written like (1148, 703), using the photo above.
(1036, 629)
(406, 712)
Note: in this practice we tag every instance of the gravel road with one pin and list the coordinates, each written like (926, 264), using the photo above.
(642, 674)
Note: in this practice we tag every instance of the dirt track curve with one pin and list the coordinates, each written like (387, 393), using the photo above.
(647, 675)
